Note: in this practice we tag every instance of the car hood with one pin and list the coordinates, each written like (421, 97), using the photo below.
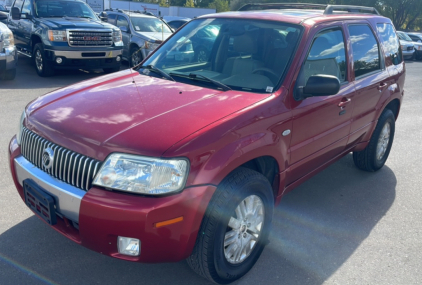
(129, 112)
(406, 43)
(155, 35)
(74, 23)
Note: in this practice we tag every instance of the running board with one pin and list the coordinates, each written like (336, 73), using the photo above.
(24, 53)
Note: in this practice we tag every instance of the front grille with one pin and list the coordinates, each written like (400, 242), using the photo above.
(68, 166)
(90, 38)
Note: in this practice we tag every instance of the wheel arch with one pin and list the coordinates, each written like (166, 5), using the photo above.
(394, 106)
(35, 39)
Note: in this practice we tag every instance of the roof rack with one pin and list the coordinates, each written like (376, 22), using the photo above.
(328, 9)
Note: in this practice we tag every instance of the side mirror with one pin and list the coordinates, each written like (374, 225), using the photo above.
(321, 85)
(124, 29)
(16, 13)
(104, 18)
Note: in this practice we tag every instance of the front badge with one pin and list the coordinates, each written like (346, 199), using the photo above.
(47, 158)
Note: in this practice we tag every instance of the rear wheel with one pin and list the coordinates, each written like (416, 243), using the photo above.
(42, 66)
(374, 156)
(235, 227)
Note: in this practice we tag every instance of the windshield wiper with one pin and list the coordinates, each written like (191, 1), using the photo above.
(164, 74)
(195, 76)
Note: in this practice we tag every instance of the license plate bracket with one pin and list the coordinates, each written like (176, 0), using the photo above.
(39, 201)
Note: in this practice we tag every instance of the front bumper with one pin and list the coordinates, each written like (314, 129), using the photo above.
(8, 58)
(96, 218)
(84, 58)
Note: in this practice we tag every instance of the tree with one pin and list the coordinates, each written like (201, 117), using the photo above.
(220, 5)
(190, 3)
(164, 3)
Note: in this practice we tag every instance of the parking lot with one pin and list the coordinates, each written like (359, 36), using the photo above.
(343, 226)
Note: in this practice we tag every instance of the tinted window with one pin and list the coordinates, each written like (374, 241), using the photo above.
(18, 4)
(365, 49)
(27, 7)
(111, 18)
(122, 22)
(55, 9)
(327, 56)
(390, 42)
(176, 24)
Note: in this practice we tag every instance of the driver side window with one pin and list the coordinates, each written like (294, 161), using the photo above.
(26, 9)
(327, 56)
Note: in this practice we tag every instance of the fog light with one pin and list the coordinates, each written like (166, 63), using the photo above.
(59, 60)
(118, 58)
(128, 246)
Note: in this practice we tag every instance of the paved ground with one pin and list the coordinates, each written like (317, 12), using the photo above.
(343, 226)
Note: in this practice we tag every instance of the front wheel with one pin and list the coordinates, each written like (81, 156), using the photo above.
(42, 66)
(135, 56)
(374, 156)
(235, 228)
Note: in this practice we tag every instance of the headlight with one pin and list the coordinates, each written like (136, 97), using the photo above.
(7, 38)
(117, 38)
(151, 46)
(57, 36)
(20, 128)
(143, 175)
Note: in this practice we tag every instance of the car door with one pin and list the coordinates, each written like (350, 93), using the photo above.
(123, 22)
(370, 78)
(14, 25)
(26, 24)
(321, 125)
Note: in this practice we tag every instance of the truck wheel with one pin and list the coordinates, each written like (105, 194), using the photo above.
(135, 56)
(374, 156)
(111, 70)
(42, 66)
(9, 74)
(235, 227)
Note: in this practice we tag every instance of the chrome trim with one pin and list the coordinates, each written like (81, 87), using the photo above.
(78, 54)
(68, 198)
(110, 31)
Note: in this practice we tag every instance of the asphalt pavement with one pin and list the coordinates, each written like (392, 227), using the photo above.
(343, 226)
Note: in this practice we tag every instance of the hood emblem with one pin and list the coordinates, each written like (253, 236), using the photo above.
(47, 158)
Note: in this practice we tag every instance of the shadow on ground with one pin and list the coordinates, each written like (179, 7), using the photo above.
(316, 228)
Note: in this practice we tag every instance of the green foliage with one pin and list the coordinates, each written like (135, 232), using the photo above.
(163, 3)
(220, 5)
(190, 4)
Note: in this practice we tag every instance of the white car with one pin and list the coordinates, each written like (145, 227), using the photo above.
(8, 54)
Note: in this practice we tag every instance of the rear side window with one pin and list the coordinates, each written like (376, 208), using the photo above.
(366, 53)
(390, 42)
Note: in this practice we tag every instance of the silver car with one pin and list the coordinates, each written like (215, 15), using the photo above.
(141, 33)
(8, 53)
(407, 46)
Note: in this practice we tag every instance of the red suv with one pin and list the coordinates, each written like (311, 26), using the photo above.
(185, 158)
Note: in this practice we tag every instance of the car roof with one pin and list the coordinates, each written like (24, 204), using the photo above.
(293, 16)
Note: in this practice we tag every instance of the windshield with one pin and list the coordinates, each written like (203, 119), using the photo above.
(49, 9)
(248, 55)
(153, 25)
(2, 8)
(404, 37)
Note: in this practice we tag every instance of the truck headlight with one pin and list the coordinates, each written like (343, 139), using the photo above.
(151, 46)
(7, 38)
(143, 175)
(20, 127)
(57, 36)
(117, 38)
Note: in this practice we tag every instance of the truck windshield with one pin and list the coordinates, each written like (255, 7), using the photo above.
(238, 54)
(153, 25)
(50, 9)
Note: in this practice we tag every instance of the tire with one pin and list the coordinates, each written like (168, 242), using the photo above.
(111, 70)
(135, 57)
(9, 74)
(374, 156)
(201, 54)
(210, 258)
(42, 66)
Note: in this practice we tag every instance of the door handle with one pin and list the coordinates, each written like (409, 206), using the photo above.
(382, 86)
(344, 102)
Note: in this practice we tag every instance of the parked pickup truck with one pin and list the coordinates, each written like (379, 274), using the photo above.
(64, 34)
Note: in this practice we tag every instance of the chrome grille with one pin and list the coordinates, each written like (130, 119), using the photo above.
(68, 166)
(90, 38)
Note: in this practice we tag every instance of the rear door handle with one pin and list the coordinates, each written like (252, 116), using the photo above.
(344, 102)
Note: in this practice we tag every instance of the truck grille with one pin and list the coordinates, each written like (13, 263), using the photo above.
(68, 166)
(90, 38)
